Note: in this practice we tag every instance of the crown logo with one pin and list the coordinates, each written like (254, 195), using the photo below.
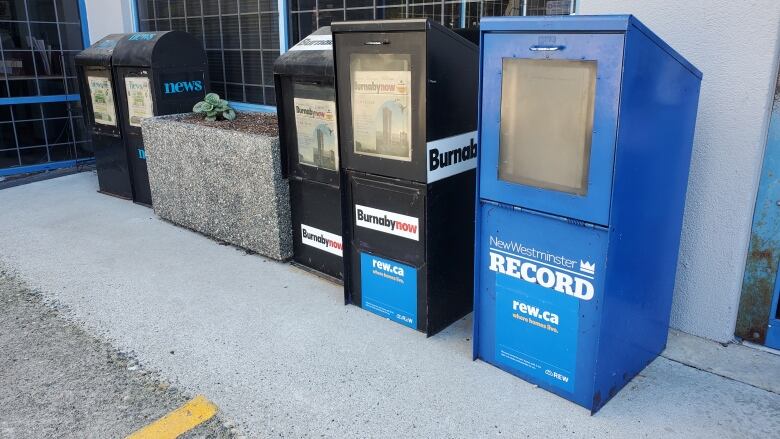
(587, 267)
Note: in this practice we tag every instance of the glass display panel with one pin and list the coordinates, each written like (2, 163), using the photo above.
(381, 105)
(315, 125)
(547, 123)
(139, 100)
(102, 97)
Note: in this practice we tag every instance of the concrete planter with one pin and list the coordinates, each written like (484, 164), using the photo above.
(226, 184)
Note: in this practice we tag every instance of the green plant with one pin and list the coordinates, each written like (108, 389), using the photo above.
(214, 108)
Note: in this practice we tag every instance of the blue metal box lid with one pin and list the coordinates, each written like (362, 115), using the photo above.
(580, 23)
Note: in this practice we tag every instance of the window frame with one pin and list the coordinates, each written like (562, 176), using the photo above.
(41, 99)
(285, 18)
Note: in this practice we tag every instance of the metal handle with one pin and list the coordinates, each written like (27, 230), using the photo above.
(376, 43)
(546, 48)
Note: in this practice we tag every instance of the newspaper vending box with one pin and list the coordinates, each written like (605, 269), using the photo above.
(308, 130)
(101, 114)
(156, 73)
(406, 92)
(586, 127)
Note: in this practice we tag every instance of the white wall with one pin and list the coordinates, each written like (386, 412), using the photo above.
(735, 45)
(108, 17)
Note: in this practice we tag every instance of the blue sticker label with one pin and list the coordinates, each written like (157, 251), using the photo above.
(183, 87)
(142, 36)
(536, 331)
(106, 44)
(389, 289)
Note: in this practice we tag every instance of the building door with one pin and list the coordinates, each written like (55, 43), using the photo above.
(758, 319)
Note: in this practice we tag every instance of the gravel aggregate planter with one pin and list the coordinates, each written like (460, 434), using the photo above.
(222, 179)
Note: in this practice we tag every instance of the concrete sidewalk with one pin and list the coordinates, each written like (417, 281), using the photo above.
(278, 351)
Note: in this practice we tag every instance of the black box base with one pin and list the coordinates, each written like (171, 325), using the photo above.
(316, 208)
(112, 166)
(437, 266)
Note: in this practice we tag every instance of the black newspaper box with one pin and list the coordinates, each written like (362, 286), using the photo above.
(407, 93)
(157, 73)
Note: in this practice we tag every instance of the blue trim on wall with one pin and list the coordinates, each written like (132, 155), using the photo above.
(134, 20)
(84, 23)
(39, 99)
(44, 167)
(462, 13)
(253, 108)
(283, 25)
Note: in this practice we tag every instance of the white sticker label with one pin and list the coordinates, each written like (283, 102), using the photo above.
(314, 42)
(451, 156)
(320, 239)
(388, 222)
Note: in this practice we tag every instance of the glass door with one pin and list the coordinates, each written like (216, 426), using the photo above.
(547, 123)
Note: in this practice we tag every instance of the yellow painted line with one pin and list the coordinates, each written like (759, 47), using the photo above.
(183, 419)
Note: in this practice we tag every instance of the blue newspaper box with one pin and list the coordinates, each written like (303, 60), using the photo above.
(586, 126)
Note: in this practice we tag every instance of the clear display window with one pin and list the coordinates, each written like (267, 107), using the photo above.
(382, 105)
(547, 123)
(315, 125)
(102, 98)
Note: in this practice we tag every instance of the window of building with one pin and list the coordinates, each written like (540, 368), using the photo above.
(308, 15)
(40, 117)
(241, 38)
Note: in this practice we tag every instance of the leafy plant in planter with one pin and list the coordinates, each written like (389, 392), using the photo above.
(214, 108)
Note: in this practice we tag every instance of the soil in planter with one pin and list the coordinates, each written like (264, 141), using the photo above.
(250, 123)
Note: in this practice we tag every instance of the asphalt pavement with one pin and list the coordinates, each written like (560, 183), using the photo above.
(59, 381)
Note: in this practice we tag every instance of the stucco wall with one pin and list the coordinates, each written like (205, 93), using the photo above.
(108, 17)
(735, 44)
